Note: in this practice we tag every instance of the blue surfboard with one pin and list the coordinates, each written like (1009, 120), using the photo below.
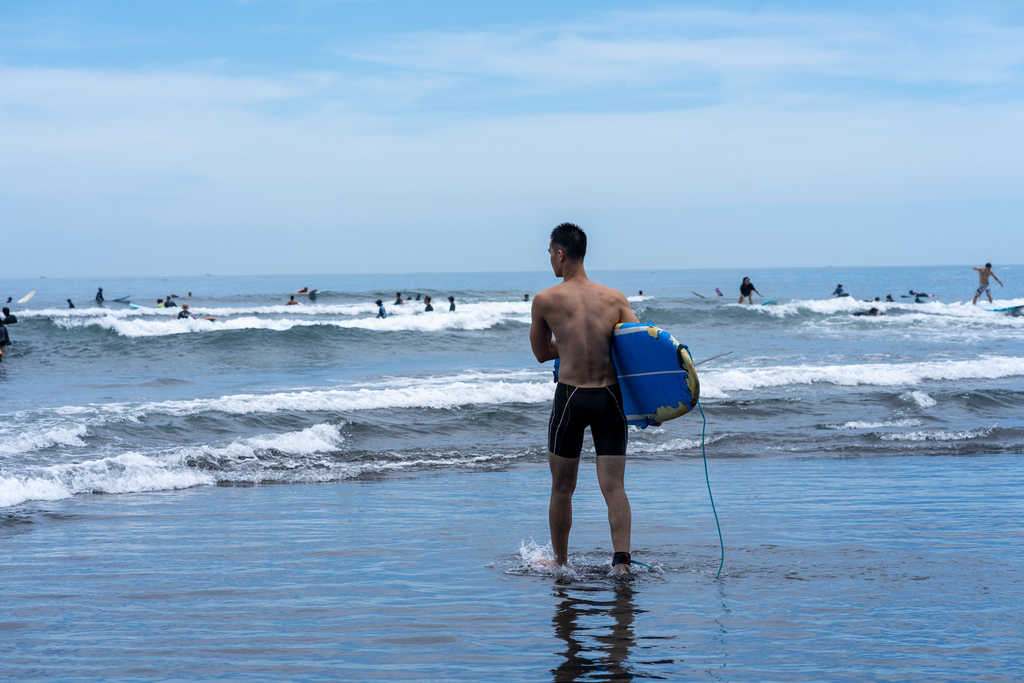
(656, 374)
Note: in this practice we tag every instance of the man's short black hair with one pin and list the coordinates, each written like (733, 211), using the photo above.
(572, 240)
(988, 265)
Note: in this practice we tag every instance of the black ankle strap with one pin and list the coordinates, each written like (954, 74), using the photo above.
(620, 558)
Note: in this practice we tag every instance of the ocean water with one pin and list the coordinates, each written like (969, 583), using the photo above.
(309, 492)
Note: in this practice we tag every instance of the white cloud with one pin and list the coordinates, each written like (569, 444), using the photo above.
(754, 51)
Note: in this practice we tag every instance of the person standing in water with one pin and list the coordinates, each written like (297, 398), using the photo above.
(983, 275)
(574, 322)
(451, 304)
(745, 291)
(99, 296)
(381, 313)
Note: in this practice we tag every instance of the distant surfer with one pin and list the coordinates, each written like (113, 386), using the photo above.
(70, 304)
(718, 291)
(381, 313)
(168, 303)
(398, 298)
(291, 301)
(838, 291)
(746, 287)
(9, 319)
(574, 322)
(426, 300)
(526, 297)
(159, 303)
(184, 313)
(889, 299)
(872, 311)
(99, 295)
(983, 275)
(304, 290)
(451, 304)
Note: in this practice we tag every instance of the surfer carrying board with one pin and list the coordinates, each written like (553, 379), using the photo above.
(983, 275)
(574, 322)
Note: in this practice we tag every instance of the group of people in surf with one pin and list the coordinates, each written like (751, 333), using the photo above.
(747, 289)
(425, 298)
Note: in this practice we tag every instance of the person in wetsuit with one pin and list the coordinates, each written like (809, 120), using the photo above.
(99, 296)
(381, 313)
(451, 304)
(70, 305)
(574, 322)
(838, 291)
(426, 300)
(184, 313)
(8, 318)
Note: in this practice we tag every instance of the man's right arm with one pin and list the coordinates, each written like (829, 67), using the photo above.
(542, 341)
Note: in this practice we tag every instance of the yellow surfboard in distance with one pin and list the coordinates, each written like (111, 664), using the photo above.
(27, 297)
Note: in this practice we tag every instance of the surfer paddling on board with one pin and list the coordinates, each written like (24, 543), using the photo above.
(574, 322)
(983, 275)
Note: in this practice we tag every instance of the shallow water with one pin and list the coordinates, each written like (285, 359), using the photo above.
(835, 569)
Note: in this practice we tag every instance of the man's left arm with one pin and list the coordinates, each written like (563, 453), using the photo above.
(626, 314)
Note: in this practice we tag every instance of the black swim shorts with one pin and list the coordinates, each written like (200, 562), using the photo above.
(576, 408)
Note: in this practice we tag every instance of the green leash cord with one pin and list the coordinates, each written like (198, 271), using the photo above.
(721, 544)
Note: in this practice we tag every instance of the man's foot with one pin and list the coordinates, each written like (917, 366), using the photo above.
(620, 564)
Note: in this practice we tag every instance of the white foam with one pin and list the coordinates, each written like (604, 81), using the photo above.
(874, 425)
(125, 473)
(314, 454)
(965, 435)
(718, 383)
(673, 445)
(477, 316)
(12, 443)
(922, 399)
(438, 395)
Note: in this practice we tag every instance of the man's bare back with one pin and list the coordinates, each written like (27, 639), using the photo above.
(581, 315)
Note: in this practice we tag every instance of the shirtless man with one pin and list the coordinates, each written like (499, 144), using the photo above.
(581, 315)
(983, 275)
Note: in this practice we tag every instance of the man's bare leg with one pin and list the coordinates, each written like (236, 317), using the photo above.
(563, 484)
(611, 473)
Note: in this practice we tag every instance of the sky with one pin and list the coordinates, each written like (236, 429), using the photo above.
(355, 136)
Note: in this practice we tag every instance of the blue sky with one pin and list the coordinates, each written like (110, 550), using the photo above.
(273, 136)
